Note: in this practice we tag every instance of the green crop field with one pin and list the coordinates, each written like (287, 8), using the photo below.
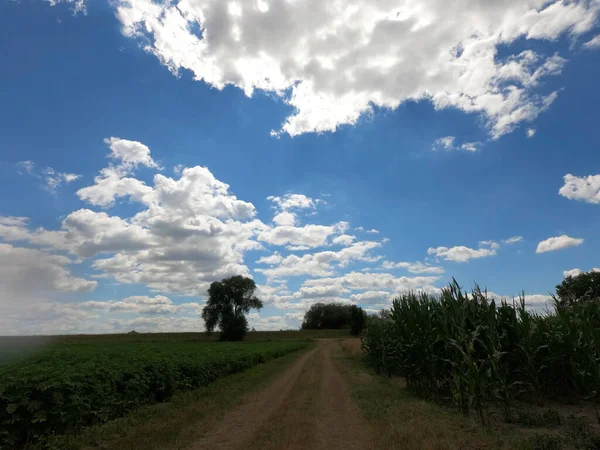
(474, 353)
(80, 381)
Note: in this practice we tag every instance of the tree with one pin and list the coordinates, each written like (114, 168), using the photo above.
(327, 316)
(358, 320)
(583, 287)
(229, 300)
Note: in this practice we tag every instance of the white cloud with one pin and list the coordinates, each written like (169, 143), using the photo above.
(471, 146)
(373, 231)
(593, 43)
(359, 281)
(52, 179)
(513, 240)
(333, 61)
(448, 143)
(373, 299)
(273, 259)
(538, 302)
(318, 264)
(463, 254)
(530, 132)
(25, 167)
(285, 218)
(14, 228)
(30, 281)
(130, 153)
(55, 179)
(577, 272)
(558, 243)
(586, 189)
(29, 274)
(190, 231)
(114, 181)
(291, 201)
(572, 273)
(305, 237)
(78, 6)
(412, 267)
(343, 239)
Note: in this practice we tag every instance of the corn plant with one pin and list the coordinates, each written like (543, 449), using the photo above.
(468, 350)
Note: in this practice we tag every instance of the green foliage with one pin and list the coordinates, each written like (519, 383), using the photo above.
(583, 287)
(229, 300)
(68, 387)
(327, 316)
(467, 350)
(358, 320)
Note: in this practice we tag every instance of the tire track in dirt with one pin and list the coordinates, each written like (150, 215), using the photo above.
(307, 407)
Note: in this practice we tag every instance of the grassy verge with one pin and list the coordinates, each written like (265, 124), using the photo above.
(400, 420)
(178, 422)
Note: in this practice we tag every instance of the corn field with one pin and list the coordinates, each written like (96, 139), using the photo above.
(470, 351)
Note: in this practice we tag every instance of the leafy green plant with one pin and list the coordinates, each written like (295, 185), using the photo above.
(467, 349)
(71, 386)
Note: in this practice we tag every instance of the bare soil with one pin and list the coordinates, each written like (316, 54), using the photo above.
(307, 407)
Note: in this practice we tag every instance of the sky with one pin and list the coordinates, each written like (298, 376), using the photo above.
(333, 151)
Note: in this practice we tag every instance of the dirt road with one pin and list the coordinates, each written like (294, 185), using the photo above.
(307, 407)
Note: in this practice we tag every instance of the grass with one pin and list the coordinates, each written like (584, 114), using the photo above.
(398, 419)
(178, 422)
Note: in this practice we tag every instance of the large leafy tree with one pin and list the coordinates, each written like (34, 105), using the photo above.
(583, 287)
(327, 316)
(358, 320)
(229, 300)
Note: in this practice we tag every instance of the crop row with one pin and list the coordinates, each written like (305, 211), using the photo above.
(68, 387)
(468, 350)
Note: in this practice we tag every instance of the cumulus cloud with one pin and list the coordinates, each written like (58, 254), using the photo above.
(463, 254)
(318, 264)
(334, 61)
(291, 201)
(301, 238)
(530, 132)
(285, 218)
(586, 189)
(372, 299)
(28, 274)
(558, 243)
(412, 267)
(343, 239)
(577, 272)
(189, 232)
(114, 181)
(31, 280)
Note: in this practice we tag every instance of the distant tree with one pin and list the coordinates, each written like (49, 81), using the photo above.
(358, 320)
(229, 300)
(583, 287)
(327, 316)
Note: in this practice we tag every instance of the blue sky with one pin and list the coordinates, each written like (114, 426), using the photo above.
(149, 149)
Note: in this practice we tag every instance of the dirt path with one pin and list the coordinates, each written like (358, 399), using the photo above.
(307, 407)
